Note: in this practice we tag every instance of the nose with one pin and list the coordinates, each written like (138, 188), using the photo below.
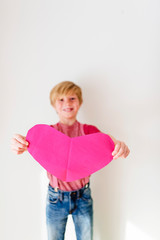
(67, 102)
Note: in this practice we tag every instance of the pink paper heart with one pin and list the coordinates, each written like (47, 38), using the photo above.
(68, 158)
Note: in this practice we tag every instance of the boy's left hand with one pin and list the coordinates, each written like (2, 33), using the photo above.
(120, 150)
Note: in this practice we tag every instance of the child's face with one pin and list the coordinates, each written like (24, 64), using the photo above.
(67, 107)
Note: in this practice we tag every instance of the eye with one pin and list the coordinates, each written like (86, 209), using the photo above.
(61, 99)
(72, 98)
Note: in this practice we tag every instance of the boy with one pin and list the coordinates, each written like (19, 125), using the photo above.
(66, 198)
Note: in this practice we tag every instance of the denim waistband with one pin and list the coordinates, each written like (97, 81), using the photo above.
(75, 193)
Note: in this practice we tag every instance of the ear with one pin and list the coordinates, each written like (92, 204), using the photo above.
(81, 104)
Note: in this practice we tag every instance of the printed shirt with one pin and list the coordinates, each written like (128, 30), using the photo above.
(75, 130)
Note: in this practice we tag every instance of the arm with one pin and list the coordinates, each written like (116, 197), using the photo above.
(120, 150)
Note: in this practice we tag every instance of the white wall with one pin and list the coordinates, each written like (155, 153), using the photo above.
(111, 49)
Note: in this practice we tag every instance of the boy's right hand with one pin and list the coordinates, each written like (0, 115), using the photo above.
(19, 144)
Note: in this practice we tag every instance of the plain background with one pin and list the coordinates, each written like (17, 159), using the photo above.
(111, 49)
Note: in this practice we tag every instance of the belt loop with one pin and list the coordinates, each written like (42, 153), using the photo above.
(61, 196)
(80, 193)
(87, 185)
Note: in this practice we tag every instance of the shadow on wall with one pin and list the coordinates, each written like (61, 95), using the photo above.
(107, 184)
(109, 209)
(118, 189)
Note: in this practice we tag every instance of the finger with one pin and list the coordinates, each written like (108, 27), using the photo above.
(124, 153)
(127, 152)
(21, 139)
(117, 148)
(121, 151)
(17, 151)
(15, 148)
(119, 154)
(16, 144)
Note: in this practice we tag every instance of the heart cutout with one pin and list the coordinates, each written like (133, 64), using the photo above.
(67, 158)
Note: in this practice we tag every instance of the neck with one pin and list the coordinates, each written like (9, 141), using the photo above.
(68, 121)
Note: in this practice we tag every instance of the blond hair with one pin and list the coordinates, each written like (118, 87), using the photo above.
(65, 88)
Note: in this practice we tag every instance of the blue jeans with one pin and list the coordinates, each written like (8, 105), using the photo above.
(62, 203)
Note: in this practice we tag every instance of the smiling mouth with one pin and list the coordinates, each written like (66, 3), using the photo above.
(68, 109)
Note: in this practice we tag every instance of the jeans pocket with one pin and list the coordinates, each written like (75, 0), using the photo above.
(87, 194)
(53, 197)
